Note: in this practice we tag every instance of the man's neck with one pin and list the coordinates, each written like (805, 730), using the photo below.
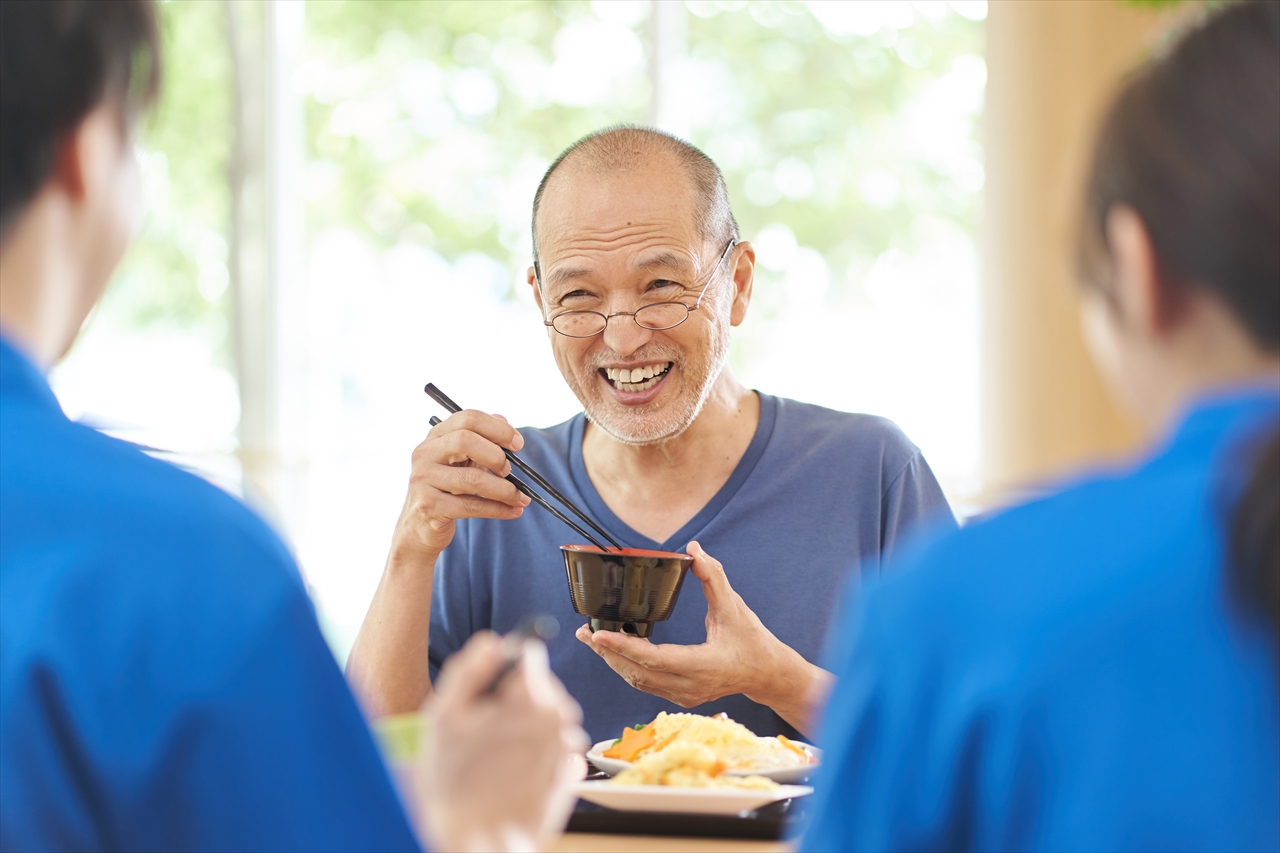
(657, 488)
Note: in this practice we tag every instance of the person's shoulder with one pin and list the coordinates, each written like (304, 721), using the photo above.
(552, 442)
(121, 496)
(110, 555)
(1039, 565)
(846, 434)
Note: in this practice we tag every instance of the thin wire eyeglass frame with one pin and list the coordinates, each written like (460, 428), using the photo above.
(688, 309)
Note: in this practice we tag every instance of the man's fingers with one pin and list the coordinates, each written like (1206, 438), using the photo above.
(715, 584)
(663, 658)
(664, 684)
(496, 430)
(454, 507)
(479, 482)
(641, 654)
(460, 447)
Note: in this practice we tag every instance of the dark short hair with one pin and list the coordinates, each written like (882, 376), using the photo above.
(1192, 143)
(59, 59)
(624, 147)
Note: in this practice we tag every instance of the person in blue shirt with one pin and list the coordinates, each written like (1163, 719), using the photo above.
(163, 681)
(1098, 670)
(641, 275)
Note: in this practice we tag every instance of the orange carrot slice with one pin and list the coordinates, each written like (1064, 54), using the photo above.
(633, 742)
(794, 747)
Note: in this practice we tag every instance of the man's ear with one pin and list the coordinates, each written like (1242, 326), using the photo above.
(1145, 296)
(72, 160)
(88, 155)
(531, 275)
(744, 275)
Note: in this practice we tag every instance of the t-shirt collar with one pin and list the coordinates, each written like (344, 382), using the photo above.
(1231, 410)
(631, 538)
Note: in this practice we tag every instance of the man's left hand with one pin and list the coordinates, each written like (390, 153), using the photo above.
(740, 655)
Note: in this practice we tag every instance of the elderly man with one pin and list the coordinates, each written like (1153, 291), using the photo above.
(640, 273)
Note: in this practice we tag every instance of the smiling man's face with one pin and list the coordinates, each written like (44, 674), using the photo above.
(615, 243)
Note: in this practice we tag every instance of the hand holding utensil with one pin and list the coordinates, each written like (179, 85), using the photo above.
(457, 472)
(498, 769)
(618, 588)
(440, 397)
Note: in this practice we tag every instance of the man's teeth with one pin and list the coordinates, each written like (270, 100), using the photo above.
(637, 378)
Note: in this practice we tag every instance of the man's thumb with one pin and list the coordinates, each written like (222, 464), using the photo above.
(715, 584)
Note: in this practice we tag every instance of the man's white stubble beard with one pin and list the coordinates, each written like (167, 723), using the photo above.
(645, 432)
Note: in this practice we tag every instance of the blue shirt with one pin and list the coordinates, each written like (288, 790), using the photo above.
(163, 681)
(818, 495)
(1074, 674)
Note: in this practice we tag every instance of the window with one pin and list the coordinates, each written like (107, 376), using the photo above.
(156, 362)
(848, 133)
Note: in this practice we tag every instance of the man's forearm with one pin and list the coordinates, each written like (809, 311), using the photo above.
(796, 691)
(387, 667)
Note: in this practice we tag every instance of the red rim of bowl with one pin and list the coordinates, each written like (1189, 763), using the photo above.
(626, 552)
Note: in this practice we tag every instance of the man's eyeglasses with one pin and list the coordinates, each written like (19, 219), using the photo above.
(657, 317)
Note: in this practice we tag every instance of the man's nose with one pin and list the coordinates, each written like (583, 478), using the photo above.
(624, 336)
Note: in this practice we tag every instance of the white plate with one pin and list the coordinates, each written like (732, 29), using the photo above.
(668, 798)
(783, 776)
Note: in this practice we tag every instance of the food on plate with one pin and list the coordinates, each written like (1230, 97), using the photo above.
(632, 743)
(696, 751)
(687, 765)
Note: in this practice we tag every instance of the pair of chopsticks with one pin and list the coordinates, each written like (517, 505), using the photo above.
(439, 396)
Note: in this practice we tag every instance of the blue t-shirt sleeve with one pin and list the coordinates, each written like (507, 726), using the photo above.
(279, 757)
(178, 695)
(913, 505)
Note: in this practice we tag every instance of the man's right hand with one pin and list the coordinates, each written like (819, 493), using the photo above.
(457, 472)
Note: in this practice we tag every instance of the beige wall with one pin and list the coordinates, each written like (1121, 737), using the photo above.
(1051, 67)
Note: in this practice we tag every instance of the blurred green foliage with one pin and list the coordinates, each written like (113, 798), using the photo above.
(841, 106)
(175, 273)
(432, 122)
(391, 137)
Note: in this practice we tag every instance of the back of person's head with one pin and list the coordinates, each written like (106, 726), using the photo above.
(60, 60)
(1192, 145)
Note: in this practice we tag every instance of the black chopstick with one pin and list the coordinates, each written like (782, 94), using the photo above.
(538, 499)
(440, 397)
(544, 628)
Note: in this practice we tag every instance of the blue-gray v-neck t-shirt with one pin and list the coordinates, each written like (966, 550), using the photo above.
(818, 496)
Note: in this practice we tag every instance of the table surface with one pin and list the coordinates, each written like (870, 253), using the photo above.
(583, 842)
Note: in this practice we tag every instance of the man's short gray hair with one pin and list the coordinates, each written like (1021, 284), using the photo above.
(626, 147)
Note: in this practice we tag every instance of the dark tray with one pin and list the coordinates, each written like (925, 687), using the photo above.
(769, 822)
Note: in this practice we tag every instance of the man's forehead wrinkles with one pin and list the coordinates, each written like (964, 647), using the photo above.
(582, 250)
(563, 274)
(566, 229)
(663, 260)
(668, 261)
